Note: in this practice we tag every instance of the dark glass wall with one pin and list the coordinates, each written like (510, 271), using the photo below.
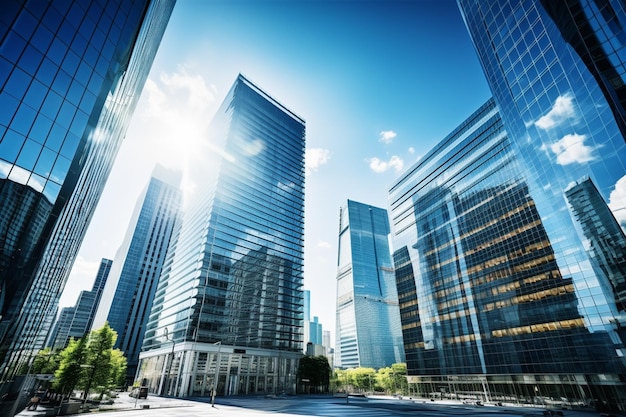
(70, 76)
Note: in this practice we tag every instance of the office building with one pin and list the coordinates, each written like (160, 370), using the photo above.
(606, 239)
(368, 319)
(312, 328)
(307, 319)
(75, 322)
(228, 311)
(488, 312)
(315, 335)
(329, 351)
(71, 76)
(556, 71)
(61, 327)
(129, 292)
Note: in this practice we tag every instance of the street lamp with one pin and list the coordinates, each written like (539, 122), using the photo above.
(217, 369)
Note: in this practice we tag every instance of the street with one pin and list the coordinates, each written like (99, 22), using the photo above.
(292, 406)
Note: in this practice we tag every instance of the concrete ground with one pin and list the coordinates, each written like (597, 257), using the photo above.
(299, 406)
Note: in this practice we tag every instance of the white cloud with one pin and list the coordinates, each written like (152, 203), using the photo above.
(571, 149)
(411, 150)
(178, 95)
(324, 245)
(617, 201)
(379, 166)
(179, 108)
(314, 158)
(562, 110)
(386, 136)
(197, 94)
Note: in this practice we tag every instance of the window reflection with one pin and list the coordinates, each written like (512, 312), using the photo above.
(29, 154)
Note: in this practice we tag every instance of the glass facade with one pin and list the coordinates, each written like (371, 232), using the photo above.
(368, 322)
(517, 234)
(487, 311)
(70, 76)
(128, 295)
(231, 288)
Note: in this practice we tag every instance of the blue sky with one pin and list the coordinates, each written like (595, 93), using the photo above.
(378, 83)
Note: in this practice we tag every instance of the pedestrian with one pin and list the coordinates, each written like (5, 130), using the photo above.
(32, 405)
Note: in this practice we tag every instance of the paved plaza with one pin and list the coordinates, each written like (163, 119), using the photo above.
(299, 406)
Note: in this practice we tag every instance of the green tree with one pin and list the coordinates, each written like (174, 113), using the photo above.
(393, 379)
(46, 362)
(363, 379)
(118, 369)
(344, 380)
(69, 373)
(98, 362)
(316, 370)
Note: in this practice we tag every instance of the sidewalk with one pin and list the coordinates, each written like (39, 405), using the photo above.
(123, 402)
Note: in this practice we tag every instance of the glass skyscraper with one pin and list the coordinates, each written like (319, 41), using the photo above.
(228, 311)
(525, 262)
(487, 311)
(70, 77)
(557, 72)
(75, 322)
(368, 332)
(128, 295)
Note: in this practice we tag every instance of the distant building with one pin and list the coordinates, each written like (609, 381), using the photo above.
(329, 351)
(606, 239)
(307, 319)
(72, 72)
(228, 311)
(368, 319)
(314, 349)
(75, 322)
(128, 295)
(61, 328)
(315, 335)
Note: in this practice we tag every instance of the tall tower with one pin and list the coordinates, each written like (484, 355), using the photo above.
(228, 310)
(556, 71)
(129, 292)
(72, 74)
(307, 319)
(484, 302)
(368, 319)
(75, 322)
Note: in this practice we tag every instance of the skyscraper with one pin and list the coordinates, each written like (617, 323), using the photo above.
(556, 70)
(486, 309)
(307, 319)
(75, 322)
(129, 292)
(606, 239)
(228, 310)
(70, 79)
(368, 319)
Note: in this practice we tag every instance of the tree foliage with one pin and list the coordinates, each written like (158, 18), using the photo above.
(46, 362)
(118, 369)
(69, 373)
(391, 379)
(98, 363)
(315, 372)
(91, 362)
